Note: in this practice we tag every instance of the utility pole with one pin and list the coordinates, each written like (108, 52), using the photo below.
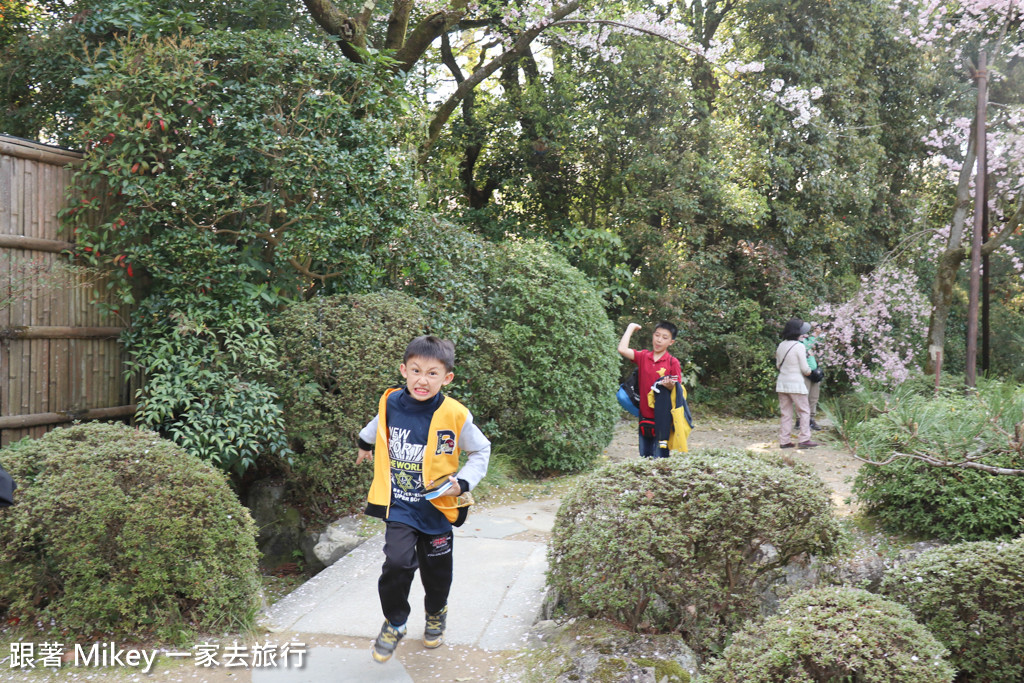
(981, 75)
(986, 332)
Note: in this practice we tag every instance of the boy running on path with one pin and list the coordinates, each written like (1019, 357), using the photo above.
(421, 432)
(656, 365)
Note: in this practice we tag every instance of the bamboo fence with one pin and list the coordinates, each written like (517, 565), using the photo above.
(60, 359)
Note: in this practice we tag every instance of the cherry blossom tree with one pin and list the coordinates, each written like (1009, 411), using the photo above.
(873, 338)
(955, 32)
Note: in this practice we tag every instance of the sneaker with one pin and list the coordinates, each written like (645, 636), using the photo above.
(433, 634)
(387, 641)
(807, 444)
(786, 445)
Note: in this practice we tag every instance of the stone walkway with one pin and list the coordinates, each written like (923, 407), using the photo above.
(497, 593)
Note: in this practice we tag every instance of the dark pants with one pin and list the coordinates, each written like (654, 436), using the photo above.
(405, 551)
(649, 448)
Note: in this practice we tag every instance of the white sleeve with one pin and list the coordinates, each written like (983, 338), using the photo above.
(478, 453)
(369, 432)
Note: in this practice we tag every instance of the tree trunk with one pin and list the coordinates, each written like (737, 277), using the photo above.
(949, 262)
(942, 301)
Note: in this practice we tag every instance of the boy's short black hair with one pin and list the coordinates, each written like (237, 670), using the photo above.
(668, 327)
(434, 348)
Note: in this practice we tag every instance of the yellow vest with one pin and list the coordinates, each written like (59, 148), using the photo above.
(440, 458)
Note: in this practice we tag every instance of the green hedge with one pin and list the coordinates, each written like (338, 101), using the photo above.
(559, 356)
(951, 503)
(672, 544)
(338, 355)
(971, 597)
(117, 531)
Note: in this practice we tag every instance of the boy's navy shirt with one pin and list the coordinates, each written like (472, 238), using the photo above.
(408, 432)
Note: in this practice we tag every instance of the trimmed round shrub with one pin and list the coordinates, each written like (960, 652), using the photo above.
(681, 544)
(563, 364)
(971, 597)
(120, 532)
(338, 355)
(833, 635)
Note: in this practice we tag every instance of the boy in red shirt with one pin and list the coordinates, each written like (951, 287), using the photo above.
(656, 365)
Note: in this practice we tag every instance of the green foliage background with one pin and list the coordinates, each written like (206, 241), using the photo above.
(561, 359)
(338, 355)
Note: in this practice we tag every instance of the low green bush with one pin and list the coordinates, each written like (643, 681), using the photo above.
(675, 545)
(833, 635)
(558, 354)
(951, 503)
(971, 597)
(117, 531)
(338, 355)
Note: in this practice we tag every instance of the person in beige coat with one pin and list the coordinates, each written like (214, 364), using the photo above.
(791, 361)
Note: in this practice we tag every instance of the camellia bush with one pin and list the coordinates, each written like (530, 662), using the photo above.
(338, 355)
(680, 544)
(120, 532)
(239, 155)
(971, 597)
(827, 635)
(563, 364)
(225, 173)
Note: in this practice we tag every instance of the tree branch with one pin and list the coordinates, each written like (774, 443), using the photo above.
(398, 24)
(1009, 229)
(336, 23)
(444, 112)
(426, 32)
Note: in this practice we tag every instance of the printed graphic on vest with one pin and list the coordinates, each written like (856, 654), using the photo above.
(406, 465)
(445, 442)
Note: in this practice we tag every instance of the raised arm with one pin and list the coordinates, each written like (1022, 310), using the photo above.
(624, 349)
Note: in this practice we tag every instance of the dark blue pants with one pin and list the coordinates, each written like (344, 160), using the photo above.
(649, 448)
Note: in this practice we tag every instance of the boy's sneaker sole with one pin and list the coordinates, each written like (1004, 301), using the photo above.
(386, 642)
(433, 634)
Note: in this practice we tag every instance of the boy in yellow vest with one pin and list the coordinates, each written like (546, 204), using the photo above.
(421, 431)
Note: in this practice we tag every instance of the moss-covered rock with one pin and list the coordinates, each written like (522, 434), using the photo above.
(594, 651)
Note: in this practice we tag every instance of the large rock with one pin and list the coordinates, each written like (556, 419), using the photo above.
(864, 568)
(337, 540)
(283, 538)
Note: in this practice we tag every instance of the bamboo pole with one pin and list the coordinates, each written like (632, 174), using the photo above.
(59, 332)
(39, 419)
